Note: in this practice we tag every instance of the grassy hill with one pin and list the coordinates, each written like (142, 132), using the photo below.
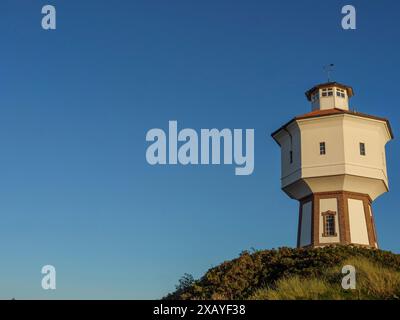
(288, 273)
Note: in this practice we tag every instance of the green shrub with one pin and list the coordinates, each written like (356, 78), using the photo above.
(303, 273)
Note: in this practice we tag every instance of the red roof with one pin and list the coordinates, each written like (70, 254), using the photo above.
(318, 113)
(334, 111)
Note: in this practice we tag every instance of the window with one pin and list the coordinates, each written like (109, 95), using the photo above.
(322, 148)
(327, 92)
(340, 93)
(362, 149)
(329, 224)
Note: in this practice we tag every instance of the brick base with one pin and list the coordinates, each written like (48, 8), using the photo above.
(343, 237)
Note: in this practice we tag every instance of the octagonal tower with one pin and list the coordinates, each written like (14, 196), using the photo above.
(333, 162)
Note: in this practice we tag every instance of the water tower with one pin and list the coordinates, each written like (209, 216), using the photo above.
(333, 162)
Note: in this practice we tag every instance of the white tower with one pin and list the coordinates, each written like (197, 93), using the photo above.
(333, 162)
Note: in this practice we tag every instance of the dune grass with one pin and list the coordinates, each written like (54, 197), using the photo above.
(373, 281)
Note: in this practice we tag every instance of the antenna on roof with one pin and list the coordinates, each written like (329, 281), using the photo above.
(328, 69)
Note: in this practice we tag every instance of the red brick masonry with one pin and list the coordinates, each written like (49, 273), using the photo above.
(343, 217)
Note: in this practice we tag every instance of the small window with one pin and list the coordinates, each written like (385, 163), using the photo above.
(322, 148)
(340, 93)
(362, 149)
(291, 156)
(329, 224)
(327, 92)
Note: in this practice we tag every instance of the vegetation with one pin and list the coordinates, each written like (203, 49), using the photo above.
(297, 274)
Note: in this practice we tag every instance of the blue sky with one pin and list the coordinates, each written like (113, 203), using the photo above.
(75, 105)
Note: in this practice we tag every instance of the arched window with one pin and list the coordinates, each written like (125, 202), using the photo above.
(329, 224)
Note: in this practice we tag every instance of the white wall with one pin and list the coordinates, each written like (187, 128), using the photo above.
(374, 135)
(305, 231)
(290, 141)
(342, 167)
(342, 135)
(358, 225)
(316, 130)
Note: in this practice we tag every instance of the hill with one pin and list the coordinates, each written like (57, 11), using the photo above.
(287, 273)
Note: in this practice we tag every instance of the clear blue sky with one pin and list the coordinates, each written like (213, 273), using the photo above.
(76, 103)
